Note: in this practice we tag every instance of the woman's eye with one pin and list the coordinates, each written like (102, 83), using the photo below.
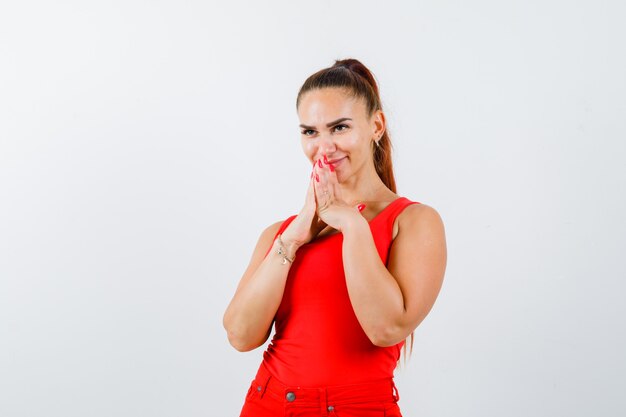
(305, 132)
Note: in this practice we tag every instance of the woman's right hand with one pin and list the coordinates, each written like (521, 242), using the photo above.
(249, 316)
(306, 225)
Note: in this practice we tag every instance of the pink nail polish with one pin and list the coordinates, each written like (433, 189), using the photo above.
(332, 168)
(319, 163)
(317, 178)
(325, 160)
(360, 207)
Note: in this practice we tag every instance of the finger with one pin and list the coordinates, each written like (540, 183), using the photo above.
(317, 183)
(326, 181)
(327, 164)
(321, 197)
(331, 175)
(331, 181)
(324, 172)
(317, 191)
(315, 179)
(330, 184)
(319, 200)
(331, 171)
(310, 193)
(325, 195)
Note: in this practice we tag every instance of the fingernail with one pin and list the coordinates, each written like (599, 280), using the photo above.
(361, 207)
(332, 168)
(317, 178)
(319, 162)
(325, 160)
(311, 174)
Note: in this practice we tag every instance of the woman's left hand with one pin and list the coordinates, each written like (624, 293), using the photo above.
(331, 208)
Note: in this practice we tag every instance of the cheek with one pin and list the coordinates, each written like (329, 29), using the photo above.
(352, 141)
(309, 149)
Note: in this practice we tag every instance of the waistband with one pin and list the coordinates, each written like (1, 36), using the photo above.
(382, 390)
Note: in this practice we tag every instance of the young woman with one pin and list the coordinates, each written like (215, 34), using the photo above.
(347, 279)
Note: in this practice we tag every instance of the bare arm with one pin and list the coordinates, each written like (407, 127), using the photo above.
(249, 316)
(390, 302)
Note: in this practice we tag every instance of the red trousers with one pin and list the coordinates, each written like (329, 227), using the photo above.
(268, 397)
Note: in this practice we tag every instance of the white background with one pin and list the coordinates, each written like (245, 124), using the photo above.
(144, 145)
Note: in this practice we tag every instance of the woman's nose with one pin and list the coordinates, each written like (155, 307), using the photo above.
(326, 145)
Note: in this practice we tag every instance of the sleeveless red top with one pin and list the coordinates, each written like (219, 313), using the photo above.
(318, 339)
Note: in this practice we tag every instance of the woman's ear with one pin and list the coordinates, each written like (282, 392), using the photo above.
(379, 123)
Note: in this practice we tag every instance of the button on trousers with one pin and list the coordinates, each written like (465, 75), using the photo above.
(268, 397)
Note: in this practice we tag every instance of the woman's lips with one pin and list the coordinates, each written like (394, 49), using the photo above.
(336, 161)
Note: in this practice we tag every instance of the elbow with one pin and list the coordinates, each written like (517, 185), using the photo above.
(239, 338)
(239, 344)
(392, 333)
(382, 341)
(387, 336)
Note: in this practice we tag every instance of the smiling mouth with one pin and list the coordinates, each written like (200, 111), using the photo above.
(335, 161)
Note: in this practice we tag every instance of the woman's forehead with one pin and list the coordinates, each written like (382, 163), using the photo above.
(326, 105)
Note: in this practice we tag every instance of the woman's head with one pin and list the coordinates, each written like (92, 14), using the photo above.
(347, 89)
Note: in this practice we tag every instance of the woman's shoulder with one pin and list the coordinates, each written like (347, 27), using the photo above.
(419, 215)
(414, 208)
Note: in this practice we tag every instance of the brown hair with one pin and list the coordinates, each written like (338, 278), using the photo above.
(352, 76)
(358, 81)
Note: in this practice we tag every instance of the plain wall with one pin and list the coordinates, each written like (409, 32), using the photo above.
(144, 146)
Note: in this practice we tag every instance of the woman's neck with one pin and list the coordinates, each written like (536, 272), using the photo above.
(364, 188)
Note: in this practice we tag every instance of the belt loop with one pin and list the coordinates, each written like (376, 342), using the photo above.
(263, 384)
(323, 399)
(396, 393)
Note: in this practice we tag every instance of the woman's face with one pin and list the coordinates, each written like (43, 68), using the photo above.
(336, 125)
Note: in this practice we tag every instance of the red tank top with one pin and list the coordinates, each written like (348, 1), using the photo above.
(318, 339)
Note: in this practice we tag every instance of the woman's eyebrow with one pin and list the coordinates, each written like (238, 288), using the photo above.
(327, 124)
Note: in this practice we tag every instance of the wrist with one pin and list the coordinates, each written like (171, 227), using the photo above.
(290, 244)
(354, 223)
(287, 251)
